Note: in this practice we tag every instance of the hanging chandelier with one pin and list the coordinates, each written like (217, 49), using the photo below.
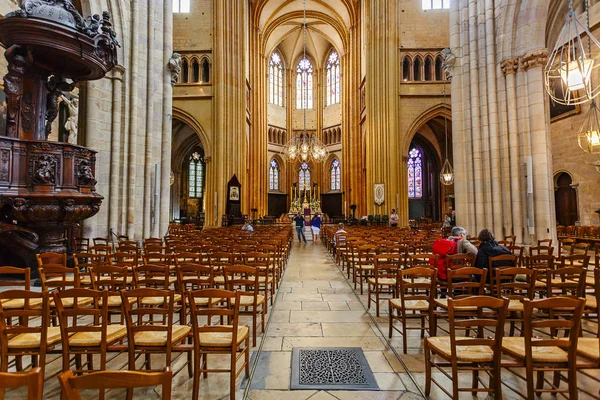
(305, 146)
(588, 137)
(568, 72)
(447, 173)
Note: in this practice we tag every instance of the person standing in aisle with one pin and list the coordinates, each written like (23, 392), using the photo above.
(315, 225)
(300, 227)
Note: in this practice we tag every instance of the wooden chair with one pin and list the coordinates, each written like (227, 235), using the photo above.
(146, 335)
(79, 336)
(541, 250)
(365, 266)
(32, 380)
(71, 384)
(84, 262)
(246, 280)
(517, 251)
(516, 285)
(512, 239)
(495, 263)
(564, 246)
(540, 263)
(25, 330)
(268, 277)
(9, 279)
(230, 338)
(588, 348)
(384, 280)
(51, 258)
(544, 242)
(417, 289)
(82, 245)
(462, 283)
(466, 353)
(113, 278)
(554, 352)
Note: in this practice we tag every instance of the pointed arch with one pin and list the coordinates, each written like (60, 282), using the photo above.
(428, 68)
(417, 68)
(276, 79)
(407, 68)
(187, 118)
(440, 110)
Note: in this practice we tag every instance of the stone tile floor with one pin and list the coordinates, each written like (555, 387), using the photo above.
(315, 307)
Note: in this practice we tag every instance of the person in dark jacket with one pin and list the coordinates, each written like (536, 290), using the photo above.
(490, 248)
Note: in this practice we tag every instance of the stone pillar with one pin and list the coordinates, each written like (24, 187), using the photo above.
(167, 122)
(499, 121)
(229, 115)
(382, 163)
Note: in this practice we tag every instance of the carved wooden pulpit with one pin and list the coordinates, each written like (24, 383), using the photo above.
(46, 187)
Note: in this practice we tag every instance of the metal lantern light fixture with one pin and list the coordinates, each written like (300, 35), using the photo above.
(568, 72)
(588, 137)
(447, 173)
(305, 146)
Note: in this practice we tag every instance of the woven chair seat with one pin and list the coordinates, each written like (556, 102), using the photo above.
(590, 281)
(444, 304)
(196, 278)
(417, 305)
(441, 344)
(115, 301)
(172, 279)
(382, 281)
(268, 279)
(15, 304)
(113, 333)
(203, 301)
(418, 280)
(159, 338)
(32, 340)
(589, 348)
(219, 279)
(68, 301)
(223, 339)
(591, 302)
(515, 346)
(247, 301)
(129, 279)
(515, 306)
(158, 300)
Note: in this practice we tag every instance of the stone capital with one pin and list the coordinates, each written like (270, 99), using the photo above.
(533, 59)
(509, 66)
(207, 159)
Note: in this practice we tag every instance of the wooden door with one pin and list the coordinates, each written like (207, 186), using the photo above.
(565, 198)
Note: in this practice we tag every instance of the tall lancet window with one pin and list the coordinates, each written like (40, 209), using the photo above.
(275, 79)
(336, 181)
(304, 85)
(274, 176)
(415, 174)
(196, 175)
(304, 177)
(333, 78)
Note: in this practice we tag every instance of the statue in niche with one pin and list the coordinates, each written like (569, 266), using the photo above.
(175, 67)
(71, 125)
(449, 60)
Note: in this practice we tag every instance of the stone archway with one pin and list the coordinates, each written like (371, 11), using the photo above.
(565, 198)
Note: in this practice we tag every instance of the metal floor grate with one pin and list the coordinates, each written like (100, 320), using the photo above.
(334, 368)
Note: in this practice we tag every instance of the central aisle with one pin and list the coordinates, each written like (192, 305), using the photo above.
(316, 307)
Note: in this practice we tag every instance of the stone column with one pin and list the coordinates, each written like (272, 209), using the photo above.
(229, 104)
(382, 163)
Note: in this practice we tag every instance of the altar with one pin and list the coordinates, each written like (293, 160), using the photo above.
(305, 202)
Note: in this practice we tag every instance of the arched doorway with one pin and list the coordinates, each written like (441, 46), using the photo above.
(565, 198)
(188, 179)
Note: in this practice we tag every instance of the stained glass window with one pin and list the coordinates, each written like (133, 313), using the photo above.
(304, 84)
(333, 78)
(181, 6)
(274, 176)
(304, 177)
(275, 79)
(336, 183)
(196, 175)
(415, 174)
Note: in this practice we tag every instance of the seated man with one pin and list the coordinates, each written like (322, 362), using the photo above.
(463, 246)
